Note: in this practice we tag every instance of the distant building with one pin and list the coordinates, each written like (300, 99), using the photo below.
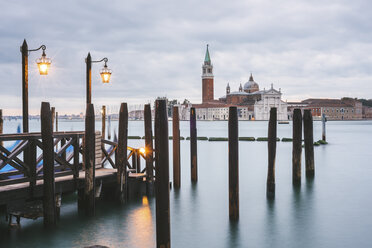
(252, 103)
(334, 109)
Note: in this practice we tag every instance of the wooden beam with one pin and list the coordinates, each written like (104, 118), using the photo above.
(309, 143)
(296, 146)
(122, 154)
(162, 175)
(149, 145)
(271, 144)
(49, 204)
(176, 149)
(193, 146)
(89, 150)
(233, 164)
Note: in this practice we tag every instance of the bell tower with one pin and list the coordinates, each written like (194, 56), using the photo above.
(207, 79)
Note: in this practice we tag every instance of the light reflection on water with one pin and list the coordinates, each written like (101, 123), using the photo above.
(333, 210)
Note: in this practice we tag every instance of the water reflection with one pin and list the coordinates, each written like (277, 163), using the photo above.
(270, 223)
(142, 229)
(233, 234)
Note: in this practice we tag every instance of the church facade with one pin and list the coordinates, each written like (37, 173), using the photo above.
(252, 103)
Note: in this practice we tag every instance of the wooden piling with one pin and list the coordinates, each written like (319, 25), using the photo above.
(193, 146)
(109, 127)
(309, 143)
(149, 151)
(89, 150)
(233, 164)
(324, 120)
(162, 175)
(122, 154)
(56, 121)
(53, 117)
(176, 149)
(103, 122)
(49, 205)
(270, 185)
(296, 146)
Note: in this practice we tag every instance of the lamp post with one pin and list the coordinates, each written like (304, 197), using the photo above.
(43, 64)
(105, 75)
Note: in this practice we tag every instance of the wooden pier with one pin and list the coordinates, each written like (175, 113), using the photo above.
(24, 182)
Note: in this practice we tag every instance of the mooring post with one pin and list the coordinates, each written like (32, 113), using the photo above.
(233, 164)
(103, 112)
(296, 147)
(90, 155)
(53, 117)
(109, 127)
(309, 143)
(56, 121)
(324, 120)
(149, 150)
(176, 149)
(49, 204)
(271, 145)
(162, 175)
(193, 146)
(122, 154)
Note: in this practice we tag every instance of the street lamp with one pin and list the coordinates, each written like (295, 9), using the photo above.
(43, 64)
(105, 73)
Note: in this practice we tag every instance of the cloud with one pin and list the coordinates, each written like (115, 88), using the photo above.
(156, 48)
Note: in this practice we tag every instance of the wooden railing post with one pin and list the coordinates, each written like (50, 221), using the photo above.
(296, 146)
(49, 205)
(176, 149)
(309, 143)
(162, 175)
(193, 146)
(103, 112)
(138, 163)
(270, 185)
(89, 150)
(76, 160)
(122, 153)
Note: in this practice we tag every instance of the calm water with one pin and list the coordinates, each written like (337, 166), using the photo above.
(333, 210)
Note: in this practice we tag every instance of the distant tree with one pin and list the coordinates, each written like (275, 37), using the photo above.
(366, 102)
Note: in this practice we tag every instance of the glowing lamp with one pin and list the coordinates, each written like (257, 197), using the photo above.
(105, 74)
(43, 64)
(142, 150)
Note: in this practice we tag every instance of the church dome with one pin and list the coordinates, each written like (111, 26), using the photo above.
(251, 85)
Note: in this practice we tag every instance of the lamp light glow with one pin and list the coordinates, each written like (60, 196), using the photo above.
(142, 150)
(43, 64)
(105, 74)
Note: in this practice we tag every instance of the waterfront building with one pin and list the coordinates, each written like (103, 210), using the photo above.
(334, 109)
(252, 103)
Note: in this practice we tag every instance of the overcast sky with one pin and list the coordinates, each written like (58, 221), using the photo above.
(156, 48)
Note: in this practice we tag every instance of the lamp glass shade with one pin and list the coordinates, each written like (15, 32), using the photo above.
(43, 64)
(105, 74)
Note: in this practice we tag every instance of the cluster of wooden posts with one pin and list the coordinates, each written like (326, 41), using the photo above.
(159, 153)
